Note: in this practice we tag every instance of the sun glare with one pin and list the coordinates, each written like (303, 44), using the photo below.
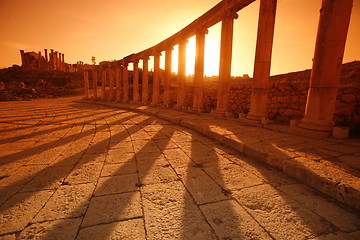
(212, 54)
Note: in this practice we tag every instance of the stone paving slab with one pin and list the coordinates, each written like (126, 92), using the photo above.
(120, 174)
(329, 165)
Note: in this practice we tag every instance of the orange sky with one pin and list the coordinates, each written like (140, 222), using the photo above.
(112, 29)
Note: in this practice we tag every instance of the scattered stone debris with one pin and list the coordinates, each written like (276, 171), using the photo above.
(17, 84)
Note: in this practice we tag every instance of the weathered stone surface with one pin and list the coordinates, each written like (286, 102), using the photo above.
(17, 212)
(156, 171)
(130, 229)
(201, 187)
(330, 211)
(49, 178)
(170, 213)
(231, 221)
(69, 201)
(116, 184)
(281, 216)
(118, 169)
(84, 173)
(64, 229)
(110, 208)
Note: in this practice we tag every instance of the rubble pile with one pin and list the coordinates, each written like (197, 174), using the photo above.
(17, 84)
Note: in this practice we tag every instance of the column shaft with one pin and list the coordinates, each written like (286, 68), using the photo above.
(327, 62)
(167, 79)
(103, 85)
(145, 80)
(118, 83)
(181, 76)
(136, 82)
(199, 71)
(125, 83)
(86, 84)
(225, 64)
(94, 78)
(111, 84)
(261, 84)
(156, 79)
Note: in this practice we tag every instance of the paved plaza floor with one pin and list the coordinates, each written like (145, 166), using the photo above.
(74, 170)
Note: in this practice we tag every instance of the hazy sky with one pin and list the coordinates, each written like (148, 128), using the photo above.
(113, 29)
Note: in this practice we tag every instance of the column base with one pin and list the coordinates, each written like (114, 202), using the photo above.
(196, 109)
(310, 132)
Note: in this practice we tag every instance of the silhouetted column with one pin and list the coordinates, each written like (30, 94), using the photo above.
(111, 84)
(199, 71)
(118, 83)
(181, 76)
(103, 85)
(86, 84)
(46, 59)
(156, 79)
(125, 82)
(136, 81)
(94, 78)
(22, 58)
(55, 60)
(167, 78)
(63, 62)
(145, 80)
(225, 64)
(52, 59)
(261, 84)
(327, 62)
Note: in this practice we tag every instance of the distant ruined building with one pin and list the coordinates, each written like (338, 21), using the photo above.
(50, 61)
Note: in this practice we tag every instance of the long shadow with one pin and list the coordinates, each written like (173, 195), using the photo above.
(61, 163)
(275, 178)
(57, 143)
(205, 157)
(37, 133)
(150, 160)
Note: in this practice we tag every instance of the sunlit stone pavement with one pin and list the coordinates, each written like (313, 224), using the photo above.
(73, 170)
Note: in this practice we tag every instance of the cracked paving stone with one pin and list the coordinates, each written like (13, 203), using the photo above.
(131, 230)
(84, 173)
(170, 213)
(69, 201)
(231, 221)
(110, 208)
(116, 184)
(281, 216)
(200, 185)
(18, 211)
(118, 169)
(64, 229)
(50, 178)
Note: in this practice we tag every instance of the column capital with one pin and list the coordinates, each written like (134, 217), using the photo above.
(231, 14)
(156, 53)
(202, 31)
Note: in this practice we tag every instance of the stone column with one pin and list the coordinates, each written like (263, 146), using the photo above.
(103, 85)
(94, 78)
(327, 62)
(46, 60)
(55, 60)
(145, 80)
(86, 84)
(136, 81)
(168, 58)
(22, 58)
(181, 76)
(63, 62)
(199, 71)
(223, 88)
(125, 79)
(52, 60)
(118, 83)
(261, 83)
(156, 79)
(111, 84)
